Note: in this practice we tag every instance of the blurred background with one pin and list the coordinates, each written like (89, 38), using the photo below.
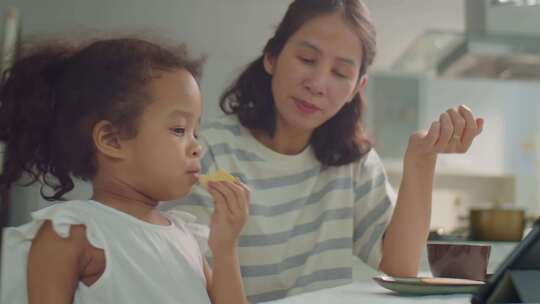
(432, 55)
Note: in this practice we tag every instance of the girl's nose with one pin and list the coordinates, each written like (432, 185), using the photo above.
(196, 150)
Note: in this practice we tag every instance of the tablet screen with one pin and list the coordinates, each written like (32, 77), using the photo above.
(525, 256)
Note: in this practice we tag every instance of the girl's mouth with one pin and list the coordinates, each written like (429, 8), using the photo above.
(195, 174)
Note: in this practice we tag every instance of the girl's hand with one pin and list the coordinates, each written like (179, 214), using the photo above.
(230, 214)
(454, 132)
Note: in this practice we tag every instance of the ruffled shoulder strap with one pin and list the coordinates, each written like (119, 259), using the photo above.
(16, 242)
(189, 221)
(62, 216)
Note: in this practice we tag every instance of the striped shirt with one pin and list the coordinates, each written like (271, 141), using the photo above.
(305, 222)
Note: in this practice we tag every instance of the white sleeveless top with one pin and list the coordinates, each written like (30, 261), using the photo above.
(145, 263)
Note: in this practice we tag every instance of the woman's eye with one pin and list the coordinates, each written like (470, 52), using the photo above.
(306, 60)
(340, 75)
(178, 131)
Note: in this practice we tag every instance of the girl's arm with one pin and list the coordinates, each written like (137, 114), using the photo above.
(231, 212)
(407, 233)
(229, 285)
(54, 265)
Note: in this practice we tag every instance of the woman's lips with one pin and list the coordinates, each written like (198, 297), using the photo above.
(305, 107)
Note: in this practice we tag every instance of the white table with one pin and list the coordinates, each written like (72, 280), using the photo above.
(367, 292)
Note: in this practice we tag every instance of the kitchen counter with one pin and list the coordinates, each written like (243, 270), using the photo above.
(365, 290)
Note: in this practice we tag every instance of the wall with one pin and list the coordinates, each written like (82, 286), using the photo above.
(400, 22)
(229, 32)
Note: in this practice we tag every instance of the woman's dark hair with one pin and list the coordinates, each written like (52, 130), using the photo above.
(340, 140)
(52, 97)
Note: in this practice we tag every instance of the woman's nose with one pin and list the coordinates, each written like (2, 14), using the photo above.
(316, 83)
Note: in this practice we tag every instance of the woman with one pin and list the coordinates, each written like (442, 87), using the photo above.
(319, 193)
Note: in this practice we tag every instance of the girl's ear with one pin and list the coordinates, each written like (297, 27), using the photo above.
(268, 62)
(107, 140)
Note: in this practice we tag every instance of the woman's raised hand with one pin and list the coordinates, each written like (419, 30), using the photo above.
(453, 132)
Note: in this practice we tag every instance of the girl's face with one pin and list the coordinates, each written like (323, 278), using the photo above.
(316, 73)
(164, 155)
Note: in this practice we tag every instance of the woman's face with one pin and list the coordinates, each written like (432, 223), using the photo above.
(316, 73)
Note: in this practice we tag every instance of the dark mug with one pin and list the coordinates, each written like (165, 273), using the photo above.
(458, 260)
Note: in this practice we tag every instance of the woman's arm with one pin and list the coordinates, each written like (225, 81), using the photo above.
(54, 265)
(408, 230)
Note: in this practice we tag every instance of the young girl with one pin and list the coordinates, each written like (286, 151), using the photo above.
(123, 114)
(319, 192)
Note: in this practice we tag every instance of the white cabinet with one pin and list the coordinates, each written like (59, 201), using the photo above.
(507, 152)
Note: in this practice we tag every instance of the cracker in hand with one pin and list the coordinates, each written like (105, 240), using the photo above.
(218, 176)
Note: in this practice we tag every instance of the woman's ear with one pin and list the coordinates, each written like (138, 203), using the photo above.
(107, 140)
(361, 86)
(268, 62)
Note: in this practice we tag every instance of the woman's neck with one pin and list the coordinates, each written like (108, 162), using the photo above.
(117, 194)
(286, 140)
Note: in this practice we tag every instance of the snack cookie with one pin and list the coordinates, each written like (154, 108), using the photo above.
(217, 176)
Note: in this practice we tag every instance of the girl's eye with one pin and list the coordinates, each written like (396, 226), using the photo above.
(178, 131)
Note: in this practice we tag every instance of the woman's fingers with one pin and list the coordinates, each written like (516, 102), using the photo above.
(458, 122)
(480, 124)
(454, 132)
(471, 127)
(446, 132)
(433, 134)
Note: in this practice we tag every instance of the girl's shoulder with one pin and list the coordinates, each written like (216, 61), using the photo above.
(58, 227)
(62, 218)
(67, 209)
